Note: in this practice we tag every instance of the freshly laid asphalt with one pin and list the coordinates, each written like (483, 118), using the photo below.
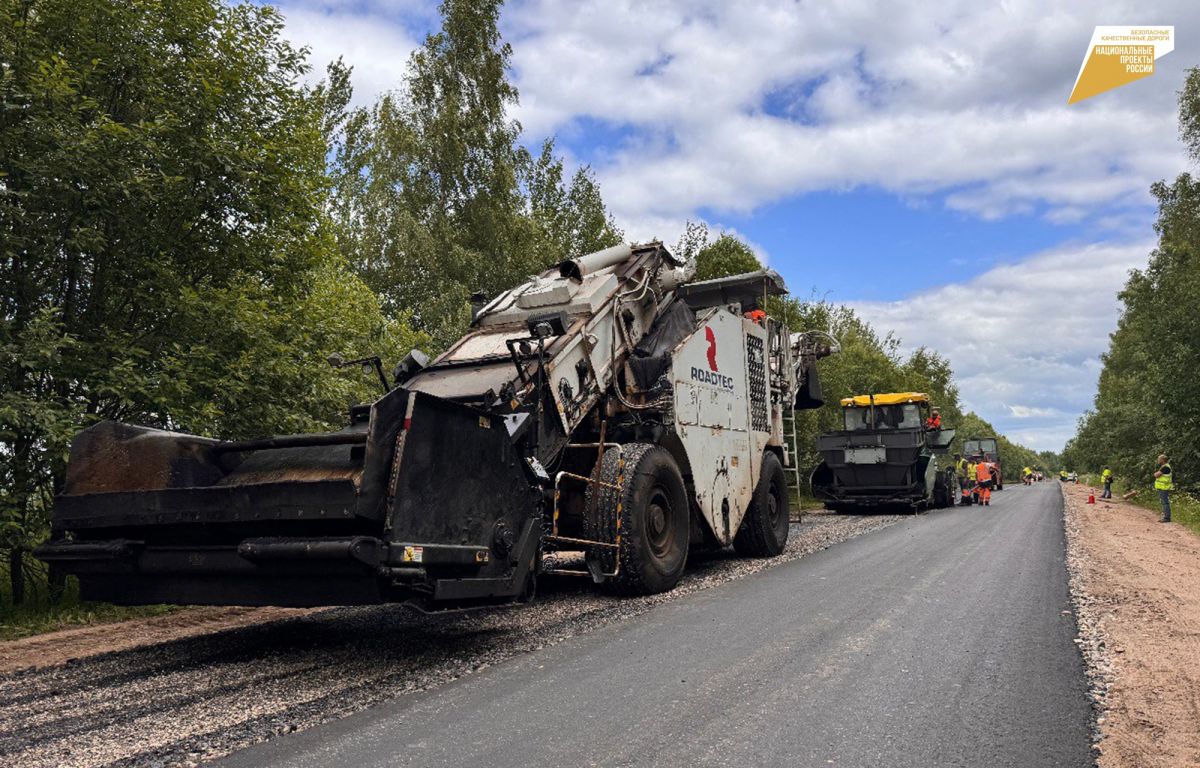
(946, 639)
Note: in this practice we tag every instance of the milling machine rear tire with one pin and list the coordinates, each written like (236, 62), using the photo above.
(655, 522)
(764, 529)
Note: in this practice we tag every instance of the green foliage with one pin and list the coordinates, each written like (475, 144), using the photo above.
(693, 239)
(166, 256)
(436, 198)
(726, 255)
(569, 218)
(1148, 400)
(1189, 115)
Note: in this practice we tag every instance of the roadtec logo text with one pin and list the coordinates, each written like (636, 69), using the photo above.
(712, 378)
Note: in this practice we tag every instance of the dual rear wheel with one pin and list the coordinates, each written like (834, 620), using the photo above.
(643, 485)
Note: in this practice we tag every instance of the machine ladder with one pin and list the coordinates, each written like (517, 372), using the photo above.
(792, 465)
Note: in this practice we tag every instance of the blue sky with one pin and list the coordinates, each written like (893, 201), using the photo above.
(921, 242)
(916, 161)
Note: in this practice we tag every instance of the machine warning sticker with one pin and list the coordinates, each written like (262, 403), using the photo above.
(414, 554)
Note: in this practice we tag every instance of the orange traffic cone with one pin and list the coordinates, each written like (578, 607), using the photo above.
(1091, 498)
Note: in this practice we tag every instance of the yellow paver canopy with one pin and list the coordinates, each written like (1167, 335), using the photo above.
(890, 398)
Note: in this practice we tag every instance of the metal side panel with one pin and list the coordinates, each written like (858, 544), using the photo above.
(458, 480)
(465, 382)
(291, 500)
(708, 371)
(113, 457)
(127, 476)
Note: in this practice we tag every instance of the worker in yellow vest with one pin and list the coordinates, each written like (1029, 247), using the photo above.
(1027, 476)
(1164, 483)
(1106, 478)
(962, 470)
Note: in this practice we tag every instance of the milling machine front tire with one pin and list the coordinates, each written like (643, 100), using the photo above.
(764, 529)
(655, 522)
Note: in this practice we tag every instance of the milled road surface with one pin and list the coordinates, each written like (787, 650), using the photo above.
(946, 639)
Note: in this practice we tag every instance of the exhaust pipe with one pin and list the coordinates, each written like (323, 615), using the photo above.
(580, 266)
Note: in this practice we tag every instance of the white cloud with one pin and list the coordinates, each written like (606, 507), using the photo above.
(728, 106)
(1031, 412)
(1030, 332)
(367, 36)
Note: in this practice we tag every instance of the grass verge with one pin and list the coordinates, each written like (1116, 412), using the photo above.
(38, 614)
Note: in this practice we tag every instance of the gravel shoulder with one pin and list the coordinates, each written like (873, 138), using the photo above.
(1136, 585)
(198, 697)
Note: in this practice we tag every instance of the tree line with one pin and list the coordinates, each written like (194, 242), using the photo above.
(1148, 400)
(188, 229)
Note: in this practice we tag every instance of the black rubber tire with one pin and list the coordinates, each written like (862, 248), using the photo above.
(655, 519)
(946, 495)
(941, 493)
(764, 529)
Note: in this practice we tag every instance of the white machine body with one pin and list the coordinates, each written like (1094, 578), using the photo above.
(723, 414)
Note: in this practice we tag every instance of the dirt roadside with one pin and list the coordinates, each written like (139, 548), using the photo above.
(66, 645)
(1137, 588)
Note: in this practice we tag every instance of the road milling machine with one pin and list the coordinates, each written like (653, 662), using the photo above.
(600, 419)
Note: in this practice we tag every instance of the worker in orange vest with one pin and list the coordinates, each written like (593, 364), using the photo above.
(934, 422)
(983, 481)
(757, 315)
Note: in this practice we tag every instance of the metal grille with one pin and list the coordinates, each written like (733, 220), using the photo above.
(757, 373)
